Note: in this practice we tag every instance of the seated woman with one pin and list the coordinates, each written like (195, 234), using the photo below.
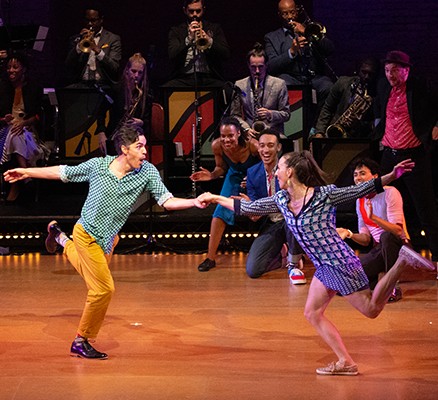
(132, 102)
(20, 103)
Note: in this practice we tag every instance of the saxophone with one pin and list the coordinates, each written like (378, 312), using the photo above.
(361, 103)
(131, 110)
(258, 125)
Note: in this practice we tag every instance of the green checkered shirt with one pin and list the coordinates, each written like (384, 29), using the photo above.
(110, 200)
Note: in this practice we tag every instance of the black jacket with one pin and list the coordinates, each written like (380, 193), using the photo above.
(177, 48)
(422, 101)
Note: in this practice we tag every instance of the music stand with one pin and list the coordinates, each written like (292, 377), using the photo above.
(4, 38)
(25, 37)
(51, 94)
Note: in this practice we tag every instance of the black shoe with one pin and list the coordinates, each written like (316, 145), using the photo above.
(84, 349)
(206, 265)
(396, 295)
(54, 232)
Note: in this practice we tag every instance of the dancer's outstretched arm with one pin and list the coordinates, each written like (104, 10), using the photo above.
(18, 174)
(399, 169)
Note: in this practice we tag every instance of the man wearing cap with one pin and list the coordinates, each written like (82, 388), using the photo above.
(407, 122)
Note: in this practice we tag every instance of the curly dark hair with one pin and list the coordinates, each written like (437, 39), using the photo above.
(125, 136)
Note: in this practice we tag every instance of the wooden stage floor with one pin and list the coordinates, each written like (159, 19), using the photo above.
(174, 333)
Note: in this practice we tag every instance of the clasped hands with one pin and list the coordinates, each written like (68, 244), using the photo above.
(17, 125)
(207, 198)
(195, 31)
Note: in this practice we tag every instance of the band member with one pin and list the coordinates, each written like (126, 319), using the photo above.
(296, 57)
(95, 53)
(261, 100)
(355, 94)
(197, 49)
(132, 106)
(93, 61)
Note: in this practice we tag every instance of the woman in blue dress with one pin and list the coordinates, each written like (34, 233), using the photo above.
(234, 152)
(309, 208)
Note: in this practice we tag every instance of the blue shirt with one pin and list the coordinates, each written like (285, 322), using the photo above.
(110, 200)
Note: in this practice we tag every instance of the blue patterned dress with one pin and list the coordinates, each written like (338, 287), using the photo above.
(337, 267)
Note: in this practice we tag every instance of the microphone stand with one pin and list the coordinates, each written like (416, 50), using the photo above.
(196, 127)
(85, 135)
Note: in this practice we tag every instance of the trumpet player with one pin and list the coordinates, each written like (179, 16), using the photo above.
(93, 62)
(196, 49)
(261, 101)
(296, 58)
(95, 53)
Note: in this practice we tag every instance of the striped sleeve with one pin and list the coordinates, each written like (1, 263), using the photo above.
(258, 207)
(348, 194)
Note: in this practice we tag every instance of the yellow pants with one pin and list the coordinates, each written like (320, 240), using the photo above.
(92, 264)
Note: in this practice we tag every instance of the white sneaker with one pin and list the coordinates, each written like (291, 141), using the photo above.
(296, 276)
(416, 260)
(299, 264)
(336, 368)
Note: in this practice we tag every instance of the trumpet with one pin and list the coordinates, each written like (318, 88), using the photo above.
(85, 41)
(201, 41)
(341, 128)
(313, 31)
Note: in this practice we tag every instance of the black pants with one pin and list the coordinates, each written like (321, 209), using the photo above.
(381, 257)
(418, 185)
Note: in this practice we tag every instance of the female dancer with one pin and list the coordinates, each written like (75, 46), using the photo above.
(235, 152)
(309, 207)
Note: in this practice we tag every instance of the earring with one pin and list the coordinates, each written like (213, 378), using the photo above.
(288, 182)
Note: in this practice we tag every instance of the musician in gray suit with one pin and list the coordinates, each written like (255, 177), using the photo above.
(296, 58)
(261, 101)
(101, 62)
(93, 62)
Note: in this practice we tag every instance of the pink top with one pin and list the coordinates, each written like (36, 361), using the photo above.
(398, 130)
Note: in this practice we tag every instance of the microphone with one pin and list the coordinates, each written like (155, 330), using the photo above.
(236, 89)
(107, 97)
(150, 56)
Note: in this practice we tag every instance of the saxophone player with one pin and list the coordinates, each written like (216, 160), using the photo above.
(341, 98)
(133, 104)
(261, 100)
